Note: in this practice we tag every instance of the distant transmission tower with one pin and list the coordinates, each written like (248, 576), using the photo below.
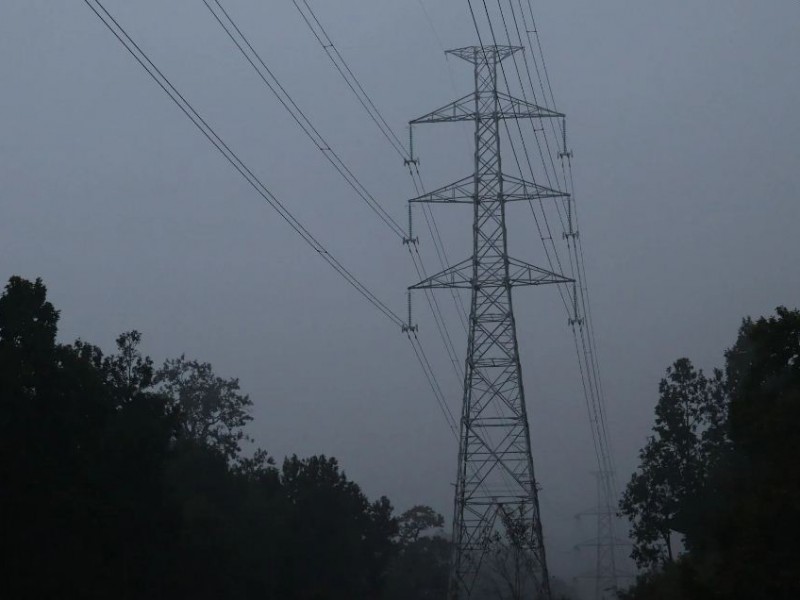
(496, 495)
(606, 576)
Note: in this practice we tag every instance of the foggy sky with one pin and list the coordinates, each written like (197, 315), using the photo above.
(683, 120)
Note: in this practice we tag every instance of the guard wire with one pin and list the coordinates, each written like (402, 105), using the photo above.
(352, 81)
(343, 68)
(588, 350)
(591, 383)
(96, 6)
(275, 86)
(299, 116)
(434, 384)
(323, 38)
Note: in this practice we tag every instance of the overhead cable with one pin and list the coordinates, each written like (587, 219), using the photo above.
(344, 70)
(164, 83)
(198, 121)
(241, 41)
(348, 75)
(586, 348)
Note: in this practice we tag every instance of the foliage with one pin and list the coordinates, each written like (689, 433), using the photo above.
(81, 471)
(688, 431)
(416, 520)
(128, 372)
(335, 528)
(748, 541)
(743, 513)
(508, 555)
(212, 409)
(123, 482)
(419, 568)
(677, 580)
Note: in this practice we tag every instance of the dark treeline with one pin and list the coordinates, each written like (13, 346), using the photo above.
(715, 503)
(122, 480)
(125, 480)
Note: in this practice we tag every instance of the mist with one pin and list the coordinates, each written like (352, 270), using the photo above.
(683, 128)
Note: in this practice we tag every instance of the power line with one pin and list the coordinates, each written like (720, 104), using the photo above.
(274, 85)
(589, 376)
(495, 469)
(580, 318)
(348, 75)
(452, 424)
(269, 78)
(577, 246)
(588, 344)
(198, 121)
(367, 103)
(299, 116)
(352, 81)
(436, 310)
(563, 292)
(339, 62)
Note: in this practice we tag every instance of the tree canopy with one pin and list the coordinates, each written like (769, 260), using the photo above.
(123, 480)
(687, 433)
(729, 485)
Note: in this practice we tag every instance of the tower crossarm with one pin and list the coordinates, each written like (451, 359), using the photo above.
(461, 275)
(458, 192)
(522, 273)
(515, 188)
(462, 109)
(507, 107)
(457, 276)
(514, 108)
(463, 191)
(484, 54)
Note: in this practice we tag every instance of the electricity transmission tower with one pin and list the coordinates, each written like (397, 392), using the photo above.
(606, 576)
(496, 490)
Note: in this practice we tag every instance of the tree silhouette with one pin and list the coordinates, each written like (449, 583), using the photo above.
(212, 410)
(674, 462)
(741, 523)
(419, 568)
(118, 482)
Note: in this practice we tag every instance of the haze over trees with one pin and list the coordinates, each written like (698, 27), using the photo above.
(720, 474)
(123, 480)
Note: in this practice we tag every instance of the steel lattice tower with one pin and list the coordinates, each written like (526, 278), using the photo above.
(606, 575)
(496, 493)
(606, 568)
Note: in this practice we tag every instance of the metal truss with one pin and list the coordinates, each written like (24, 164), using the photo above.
(464, 109)
(606, 576)
(495, 467)
(514, 188)
(519, 273)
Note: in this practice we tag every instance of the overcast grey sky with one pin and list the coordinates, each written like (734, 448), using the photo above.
(683, 120)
